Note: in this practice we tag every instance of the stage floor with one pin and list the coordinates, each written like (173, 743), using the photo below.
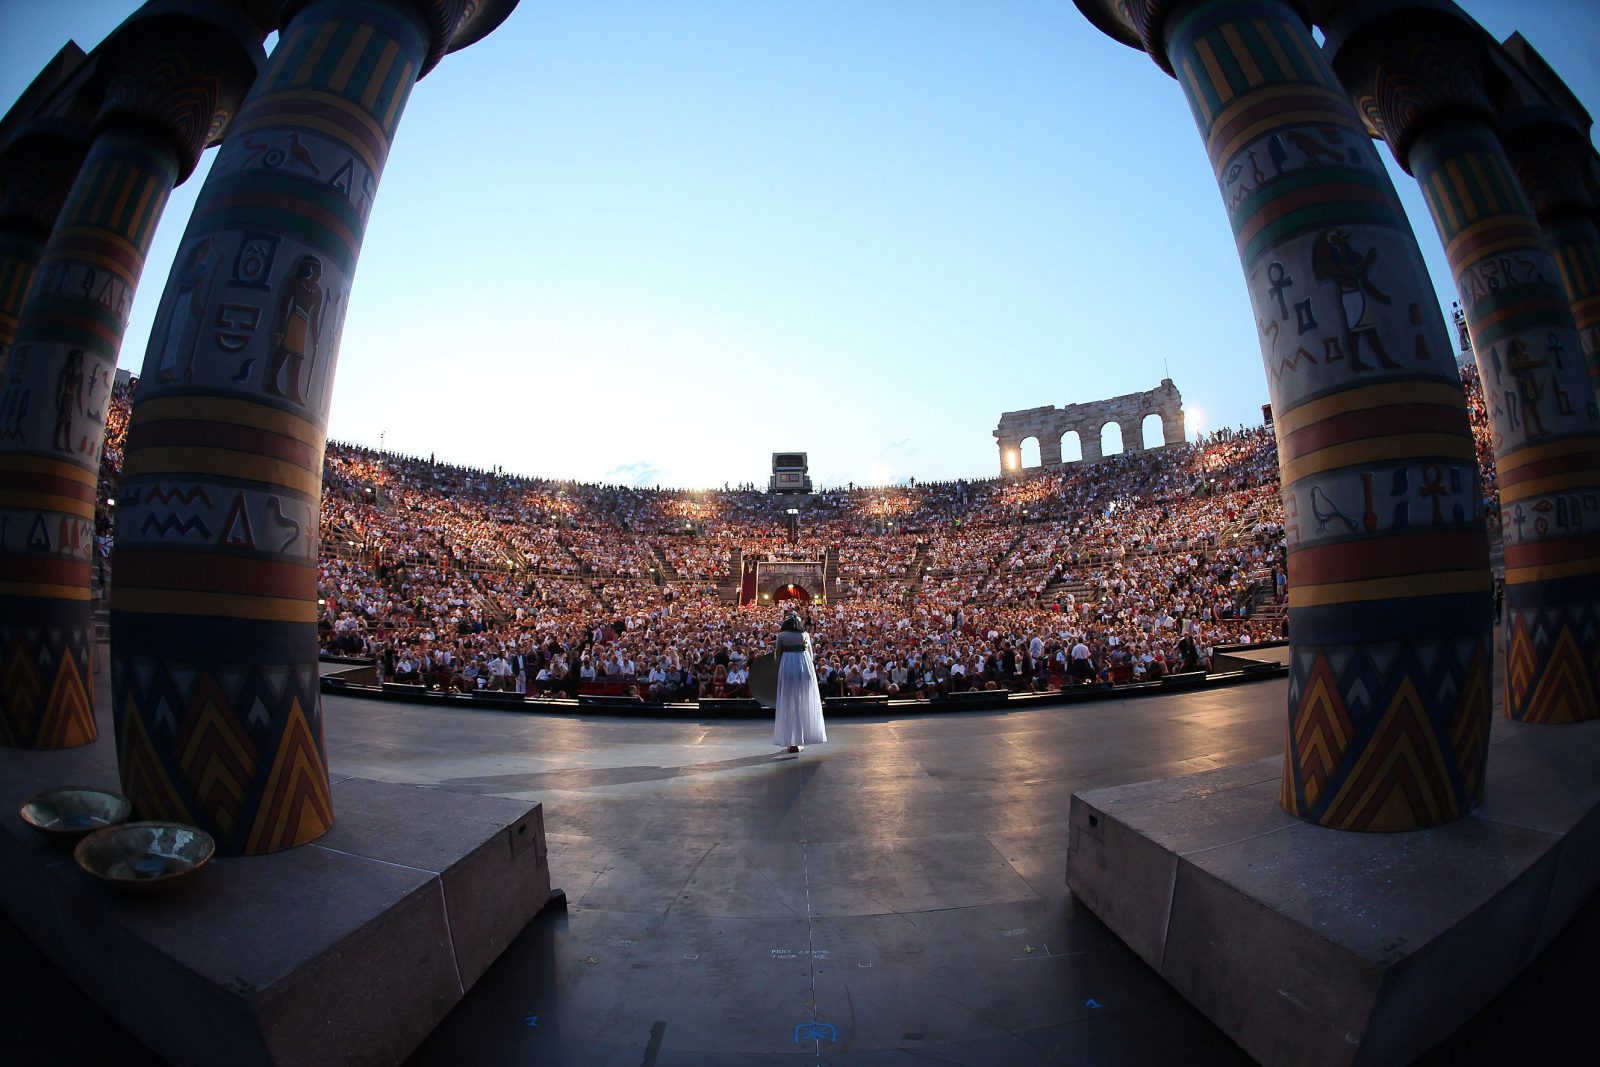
(896, 895)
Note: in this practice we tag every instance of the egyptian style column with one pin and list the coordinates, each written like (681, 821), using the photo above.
(1549, 153)
(1417, 74)
(213, 602)
(1389, 607)
(36, 170)
(170, 76)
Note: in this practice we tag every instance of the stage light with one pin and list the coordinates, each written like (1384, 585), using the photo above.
(110, 503)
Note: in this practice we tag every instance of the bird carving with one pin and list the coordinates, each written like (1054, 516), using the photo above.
(1326, 511)
(302, 155)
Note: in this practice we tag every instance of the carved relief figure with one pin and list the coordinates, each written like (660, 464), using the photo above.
(182, 327)
(299, 322)
(1334, 259)
(1522, 367)
(69, 399)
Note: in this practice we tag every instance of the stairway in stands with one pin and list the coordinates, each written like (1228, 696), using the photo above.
(918, 568)
(999, 562)
(665, 571)
(728, 585)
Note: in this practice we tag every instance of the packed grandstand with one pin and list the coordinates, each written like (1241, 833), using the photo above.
(1111, 574)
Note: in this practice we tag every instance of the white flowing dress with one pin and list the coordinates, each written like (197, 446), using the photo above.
(799, 706)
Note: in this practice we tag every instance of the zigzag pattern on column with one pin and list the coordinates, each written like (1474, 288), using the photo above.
(297, 804)
(1321, 733)
(1546, 675)
(34, 658)
(144, 779)
(201, 746)
(1402, 779)
(1375, 761)
(1469, 729)
(216, 758)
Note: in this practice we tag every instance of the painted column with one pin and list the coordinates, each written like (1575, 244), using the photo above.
(169, 76)
(1389, 607)
(1549, 153)
(1418, 77)
(36, 170)
(213, 602)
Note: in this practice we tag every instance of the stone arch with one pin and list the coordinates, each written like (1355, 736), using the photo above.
(1152, 431)
(1028, 452)
(1052, 424)
(1071, 445)
(1111, 438)
(1043, 424)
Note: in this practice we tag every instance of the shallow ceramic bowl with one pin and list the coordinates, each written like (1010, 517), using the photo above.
(68, 812)
(140, 857)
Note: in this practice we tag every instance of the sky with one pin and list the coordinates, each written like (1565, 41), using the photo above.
(654, 242)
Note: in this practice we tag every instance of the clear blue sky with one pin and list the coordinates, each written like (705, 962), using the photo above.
(655, 241)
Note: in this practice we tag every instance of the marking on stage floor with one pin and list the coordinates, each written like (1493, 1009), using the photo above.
(1046, 954)
(794, 954)
(817, 1032)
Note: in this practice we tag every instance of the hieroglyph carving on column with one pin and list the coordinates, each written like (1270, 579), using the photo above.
(214, 609)
(171, 80)
(1388, 711)
(1417, 75)
(1550, 154)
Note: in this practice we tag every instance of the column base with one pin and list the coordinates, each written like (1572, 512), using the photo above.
(349, 950)
(1317, 946)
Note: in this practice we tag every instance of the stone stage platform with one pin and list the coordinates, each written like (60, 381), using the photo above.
(895, 896)
(350, 949)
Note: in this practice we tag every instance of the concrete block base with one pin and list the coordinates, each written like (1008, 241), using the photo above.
(347, 950)
(1313, 946)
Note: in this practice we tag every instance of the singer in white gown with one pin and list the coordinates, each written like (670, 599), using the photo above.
(799, 706)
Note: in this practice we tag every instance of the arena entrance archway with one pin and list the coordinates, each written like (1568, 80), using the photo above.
(791, 591)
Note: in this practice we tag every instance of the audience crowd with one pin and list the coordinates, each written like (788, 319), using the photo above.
(1133, 568)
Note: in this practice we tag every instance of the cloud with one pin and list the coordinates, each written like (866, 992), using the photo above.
(638, 473)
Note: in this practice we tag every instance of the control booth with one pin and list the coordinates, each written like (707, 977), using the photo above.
(789, 473)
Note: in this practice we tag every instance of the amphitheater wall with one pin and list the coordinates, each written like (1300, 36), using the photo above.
(1049, 424)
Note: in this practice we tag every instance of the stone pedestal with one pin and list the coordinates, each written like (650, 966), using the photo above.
(349, 950)
(1314, 946)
